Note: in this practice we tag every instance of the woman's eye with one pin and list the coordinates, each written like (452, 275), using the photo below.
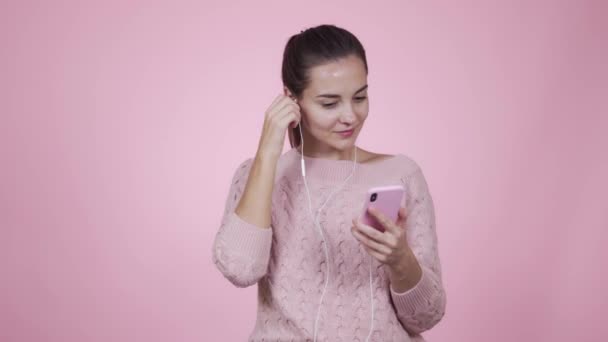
(329, 105)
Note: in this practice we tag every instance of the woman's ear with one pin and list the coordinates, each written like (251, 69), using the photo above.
(288, 93)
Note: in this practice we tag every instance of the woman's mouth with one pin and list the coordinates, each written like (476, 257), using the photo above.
(346, 134)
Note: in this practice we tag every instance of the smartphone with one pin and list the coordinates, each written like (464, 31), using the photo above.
(386, 199)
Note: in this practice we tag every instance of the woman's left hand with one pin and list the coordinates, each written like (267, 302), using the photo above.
(389, 247)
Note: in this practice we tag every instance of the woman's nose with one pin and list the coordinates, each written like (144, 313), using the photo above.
(348, 116)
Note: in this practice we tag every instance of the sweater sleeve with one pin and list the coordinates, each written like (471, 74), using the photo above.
(241, 250)
(421, 307)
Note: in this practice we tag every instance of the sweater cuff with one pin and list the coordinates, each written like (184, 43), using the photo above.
(416, 298)
(247, 239)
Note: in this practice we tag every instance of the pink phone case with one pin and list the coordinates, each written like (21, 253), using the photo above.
(387, 199)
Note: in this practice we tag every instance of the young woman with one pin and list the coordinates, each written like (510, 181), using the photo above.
(291, 221)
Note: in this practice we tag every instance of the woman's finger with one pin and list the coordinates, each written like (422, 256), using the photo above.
(402, 216)
(370, 232)
(378, 256)
(383, 220)
(374, 245)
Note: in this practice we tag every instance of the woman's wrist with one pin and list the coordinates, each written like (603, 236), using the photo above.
(405, 274)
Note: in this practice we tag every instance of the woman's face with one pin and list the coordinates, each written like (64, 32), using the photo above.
(335, 100)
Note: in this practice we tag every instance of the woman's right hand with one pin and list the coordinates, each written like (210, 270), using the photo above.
(284, 112)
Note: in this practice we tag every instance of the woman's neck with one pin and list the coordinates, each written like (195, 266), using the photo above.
(337, 155)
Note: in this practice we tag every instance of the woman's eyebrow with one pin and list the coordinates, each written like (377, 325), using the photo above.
(331, 96)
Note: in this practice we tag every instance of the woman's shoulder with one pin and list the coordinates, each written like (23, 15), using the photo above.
(368, 157)
(404, 161)
(283, 168)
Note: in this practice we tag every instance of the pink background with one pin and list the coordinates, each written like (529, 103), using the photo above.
(122, 123)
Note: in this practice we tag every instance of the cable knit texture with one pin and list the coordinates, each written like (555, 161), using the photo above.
(288, 263)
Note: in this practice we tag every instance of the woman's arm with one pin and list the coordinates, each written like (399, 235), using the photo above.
(241, 249)
(255, 204)
(422, 306)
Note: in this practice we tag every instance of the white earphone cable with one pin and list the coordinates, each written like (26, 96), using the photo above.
(303, 168)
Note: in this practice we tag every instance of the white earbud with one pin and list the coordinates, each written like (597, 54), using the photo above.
(303, 168)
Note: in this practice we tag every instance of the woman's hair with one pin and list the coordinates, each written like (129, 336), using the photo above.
(312, 47)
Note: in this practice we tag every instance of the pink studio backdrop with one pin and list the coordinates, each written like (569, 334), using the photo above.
(122, 122)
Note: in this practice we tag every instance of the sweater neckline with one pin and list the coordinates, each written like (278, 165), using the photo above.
(337, 170)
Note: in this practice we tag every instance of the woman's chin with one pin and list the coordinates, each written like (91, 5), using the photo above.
(346, 144)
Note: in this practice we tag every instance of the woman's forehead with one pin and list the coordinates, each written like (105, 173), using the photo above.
(336, 89)
(337, 78)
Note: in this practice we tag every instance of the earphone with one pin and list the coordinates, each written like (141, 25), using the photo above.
(315, 220)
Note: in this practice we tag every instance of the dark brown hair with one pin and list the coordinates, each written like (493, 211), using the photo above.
(312, 47)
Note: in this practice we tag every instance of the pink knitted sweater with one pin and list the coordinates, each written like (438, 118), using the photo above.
(287, 262)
